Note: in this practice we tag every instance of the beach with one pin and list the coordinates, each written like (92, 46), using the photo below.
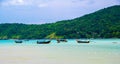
(60, 54)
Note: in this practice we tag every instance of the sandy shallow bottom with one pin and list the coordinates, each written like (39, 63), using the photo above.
(58, 55)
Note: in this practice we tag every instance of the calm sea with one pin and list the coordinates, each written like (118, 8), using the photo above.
(70, 42)
(97, 43)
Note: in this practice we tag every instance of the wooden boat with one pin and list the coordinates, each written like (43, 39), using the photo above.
(43, 42)
(61, 40)
(80, 41)
(18, 41)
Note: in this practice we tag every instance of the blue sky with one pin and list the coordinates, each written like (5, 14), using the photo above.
(47, 11)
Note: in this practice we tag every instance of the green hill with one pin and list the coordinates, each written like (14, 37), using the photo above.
(104, 23)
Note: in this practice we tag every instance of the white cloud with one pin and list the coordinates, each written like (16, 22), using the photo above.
(61, 3)
(14, 2)
(35, 10)
(43, 3)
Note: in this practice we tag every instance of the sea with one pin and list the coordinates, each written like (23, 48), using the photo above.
(98, 51)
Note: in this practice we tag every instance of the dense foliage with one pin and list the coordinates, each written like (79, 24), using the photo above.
(104, 23)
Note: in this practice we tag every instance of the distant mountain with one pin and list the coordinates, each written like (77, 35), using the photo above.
(104, 23)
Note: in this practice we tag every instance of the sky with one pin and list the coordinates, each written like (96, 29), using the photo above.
(48, 11)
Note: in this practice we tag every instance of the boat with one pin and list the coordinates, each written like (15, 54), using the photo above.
(80, 41)
(43, 42)
(61, 40)
(18, 41)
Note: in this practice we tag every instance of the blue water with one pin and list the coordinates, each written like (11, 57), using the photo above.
(71, 42)
(99, 46)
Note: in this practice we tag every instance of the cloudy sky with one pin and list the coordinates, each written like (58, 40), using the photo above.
(47, 11)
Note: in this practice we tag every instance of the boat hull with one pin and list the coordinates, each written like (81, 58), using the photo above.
(43, 42)
(18, 41)
(83, 41)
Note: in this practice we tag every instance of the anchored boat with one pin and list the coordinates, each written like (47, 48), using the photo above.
(43, 42)
(80, 41)
(61, 40)
(18, 41)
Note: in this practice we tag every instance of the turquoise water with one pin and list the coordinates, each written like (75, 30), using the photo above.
(95, 44)
(70, 41)
(98, 43)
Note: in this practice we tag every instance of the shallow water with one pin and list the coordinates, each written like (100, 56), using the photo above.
(98, 51)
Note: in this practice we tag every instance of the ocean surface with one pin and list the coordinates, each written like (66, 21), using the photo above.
(98, 51)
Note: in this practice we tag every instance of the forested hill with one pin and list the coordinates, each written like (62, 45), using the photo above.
(104, 23)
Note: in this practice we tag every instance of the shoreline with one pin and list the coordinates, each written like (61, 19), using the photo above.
(57, 55)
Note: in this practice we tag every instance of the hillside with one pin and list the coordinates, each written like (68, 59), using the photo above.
(104, 23)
